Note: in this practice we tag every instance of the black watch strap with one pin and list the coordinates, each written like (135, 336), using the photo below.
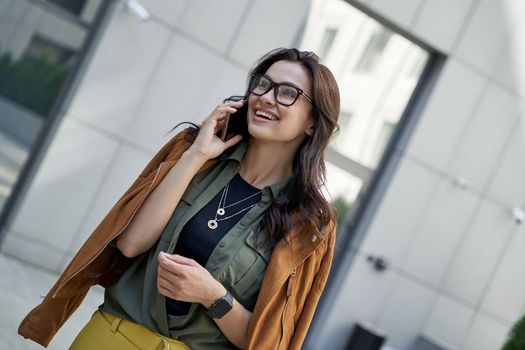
(221, 307)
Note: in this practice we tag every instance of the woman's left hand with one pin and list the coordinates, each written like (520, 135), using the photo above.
(184, 279)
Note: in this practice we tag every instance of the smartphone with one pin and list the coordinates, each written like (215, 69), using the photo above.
(239, 125)
(225, 129)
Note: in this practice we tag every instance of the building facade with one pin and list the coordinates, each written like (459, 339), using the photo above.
(427, 171)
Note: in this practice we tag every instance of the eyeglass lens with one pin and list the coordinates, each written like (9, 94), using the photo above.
(286, 94)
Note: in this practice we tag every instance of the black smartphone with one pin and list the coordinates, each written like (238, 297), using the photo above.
(238, 125)
(225, 128)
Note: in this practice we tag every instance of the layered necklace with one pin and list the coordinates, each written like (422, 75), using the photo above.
(214, 223)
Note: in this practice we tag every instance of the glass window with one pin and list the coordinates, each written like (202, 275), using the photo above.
(326, 42)
(371, 104)
(417, 67)
(73, 6)
(42, 48)
(39, 46)
(344, 127)
(342, 189)
(373, 50)
(382, 141)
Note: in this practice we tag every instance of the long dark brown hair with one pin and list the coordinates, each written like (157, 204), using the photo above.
(301, 200)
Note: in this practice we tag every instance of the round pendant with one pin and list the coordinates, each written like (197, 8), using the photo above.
(212, 224)
(220, 211)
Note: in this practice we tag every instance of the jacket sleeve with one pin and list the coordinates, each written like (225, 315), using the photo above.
(166, 152)
(306, 314)
(43, 321)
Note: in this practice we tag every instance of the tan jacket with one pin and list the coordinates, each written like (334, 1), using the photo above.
(296, 274)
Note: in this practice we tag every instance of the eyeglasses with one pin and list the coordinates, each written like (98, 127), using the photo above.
(284, 93)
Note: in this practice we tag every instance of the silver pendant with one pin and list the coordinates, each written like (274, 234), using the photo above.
(220, 211)
(212, 224)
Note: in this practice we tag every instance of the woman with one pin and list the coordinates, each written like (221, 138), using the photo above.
(217, 244)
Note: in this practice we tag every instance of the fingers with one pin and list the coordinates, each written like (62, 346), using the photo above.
(171, 265)
(208, 142)
(222, 110)
(235, 104)
(181, 259)
(176, 263)
(232, 141)
(226, 109)
(220, 125)
(164, 282)
(169, 273)
(221, 113)
(166, 287)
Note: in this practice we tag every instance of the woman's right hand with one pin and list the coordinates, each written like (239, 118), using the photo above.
(207, 144)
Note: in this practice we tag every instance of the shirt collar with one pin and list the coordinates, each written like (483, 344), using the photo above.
(237, 156)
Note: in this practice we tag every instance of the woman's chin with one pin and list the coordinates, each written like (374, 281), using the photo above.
(261, 133)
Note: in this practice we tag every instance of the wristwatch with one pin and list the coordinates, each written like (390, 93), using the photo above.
(221, 307)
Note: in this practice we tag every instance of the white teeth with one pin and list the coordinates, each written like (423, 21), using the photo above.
(266, 115)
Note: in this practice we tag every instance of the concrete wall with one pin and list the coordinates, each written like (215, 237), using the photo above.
(455, 252)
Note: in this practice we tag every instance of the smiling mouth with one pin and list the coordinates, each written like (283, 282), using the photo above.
(265, 115)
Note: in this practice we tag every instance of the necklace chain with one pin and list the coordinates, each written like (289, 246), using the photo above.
(240, 211)
(242, 200)
(214, 223)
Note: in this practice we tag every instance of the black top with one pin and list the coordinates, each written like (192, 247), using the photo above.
(196, 240)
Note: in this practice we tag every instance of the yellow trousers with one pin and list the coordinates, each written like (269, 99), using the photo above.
(105, 331)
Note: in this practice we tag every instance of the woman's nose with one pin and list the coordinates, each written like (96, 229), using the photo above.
(268, 97)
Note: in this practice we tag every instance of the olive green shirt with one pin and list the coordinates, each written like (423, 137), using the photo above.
(235, 262)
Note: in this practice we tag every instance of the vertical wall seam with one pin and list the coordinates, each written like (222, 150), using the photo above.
(466, 22)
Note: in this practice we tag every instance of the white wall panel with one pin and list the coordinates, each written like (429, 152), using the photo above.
(484, 36)
(485, 334)
(265, 29)
(446, 114)
(483, 142)
(401, 12)
(111, 91)
(404, 311)
(448, 321)
(429, 22)
(128, 164)
(445, 221)
(479, 253)
(58, 196)
(507, 185)
(181, 85)
(505, 296)
(399, 216)
(509, 70)
(213, 22)
(355, 303)
(169, 11)
(34, 251)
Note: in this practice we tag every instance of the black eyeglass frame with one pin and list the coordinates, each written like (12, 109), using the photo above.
(275, 87)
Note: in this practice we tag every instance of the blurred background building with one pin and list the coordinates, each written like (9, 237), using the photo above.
(427, 172)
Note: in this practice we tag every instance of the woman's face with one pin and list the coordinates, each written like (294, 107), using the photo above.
(290, 122)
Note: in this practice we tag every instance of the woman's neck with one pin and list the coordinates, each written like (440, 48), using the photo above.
(266, 163)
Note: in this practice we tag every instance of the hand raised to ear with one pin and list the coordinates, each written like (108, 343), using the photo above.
(207, 145)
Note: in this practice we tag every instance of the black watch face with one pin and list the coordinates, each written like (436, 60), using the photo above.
(222, 307)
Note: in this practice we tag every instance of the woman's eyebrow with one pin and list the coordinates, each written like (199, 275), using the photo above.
(284, 82)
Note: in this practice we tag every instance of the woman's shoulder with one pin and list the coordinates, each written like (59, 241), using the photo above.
(179, 143)
(327, 234)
